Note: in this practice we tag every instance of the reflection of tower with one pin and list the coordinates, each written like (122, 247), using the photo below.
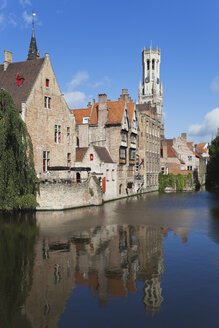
(153, 291)
(151, 266)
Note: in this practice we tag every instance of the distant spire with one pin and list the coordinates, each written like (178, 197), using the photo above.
(32, 53)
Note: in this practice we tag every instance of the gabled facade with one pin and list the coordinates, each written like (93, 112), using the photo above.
(114, 125)
(101, 165)
(34, 89)
(179, 156)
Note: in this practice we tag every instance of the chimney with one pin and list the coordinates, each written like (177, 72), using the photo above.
(102, 109)
(102, 99)
(184, 136)
(8, 59)
(124, 91)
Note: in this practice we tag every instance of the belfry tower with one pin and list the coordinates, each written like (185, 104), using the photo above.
(151, 89)
(32, 53)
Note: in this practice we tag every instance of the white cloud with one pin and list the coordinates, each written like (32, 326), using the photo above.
(209, 127)
(3, 4)
(27, 17)
(215, 84)
(25, 3)
(75, 99)
(78, 79)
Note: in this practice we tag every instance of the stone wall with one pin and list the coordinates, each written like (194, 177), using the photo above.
(58, 196)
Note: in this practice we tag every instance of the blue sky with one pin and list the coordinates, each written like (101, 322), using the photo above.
(95, 47)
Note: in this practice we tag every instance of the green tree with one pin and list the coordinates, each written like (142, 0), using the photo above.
(18, 180)
(212, 181)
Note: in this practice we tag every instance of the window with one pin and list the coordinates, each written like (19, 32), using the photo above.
(69, 160)
(68, 135)
(85, 120)
(124, 137)
(122, 153)
(132, 153)
(189, 158)
(133, 138)
(47, 83)
(47, 102)
(189, 168)
(77, 141)
(57, 134)
(91, 157)
(148, 64)
(162, 170)
(153, 63)
(46, 160)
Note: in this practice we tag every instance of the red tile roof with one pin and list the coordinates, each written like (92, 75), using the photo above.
(202, 148)
(80, 113)
(28, 70)
(115, 112)
(131, 107)
(191, 148)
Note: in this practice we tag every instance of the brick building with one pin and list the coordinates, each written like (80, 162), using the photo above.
(179, 156)
(35, 91)
(113, 125)
(149, 145)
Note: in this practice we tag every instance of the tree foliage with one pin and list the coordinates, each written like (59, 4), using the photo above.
(18, 180)
(177, 182)
(212, 181)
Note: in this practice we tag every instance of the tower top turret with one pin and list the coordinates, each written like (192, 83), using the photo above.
(32, 53)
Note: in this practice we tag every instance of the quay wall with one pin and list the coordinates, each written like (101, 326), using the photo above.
(63, 195)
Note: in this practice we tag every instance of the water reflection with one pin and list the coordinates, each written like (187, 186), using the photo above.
(108, 259)
(17, 239)
(114, 252)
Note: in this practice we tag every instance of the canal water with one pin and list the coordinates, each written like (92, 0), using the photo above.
(151, 261)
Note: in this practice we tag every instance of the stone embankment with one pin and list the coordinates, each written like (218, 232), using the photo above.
(65, 195)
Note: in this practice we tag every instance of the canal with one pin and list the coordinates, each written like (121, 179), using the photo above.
(151, 261)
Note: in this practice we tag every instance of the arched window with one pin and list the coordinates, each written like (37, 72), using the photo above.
(148, 64)
(153, 63)
(77, 142)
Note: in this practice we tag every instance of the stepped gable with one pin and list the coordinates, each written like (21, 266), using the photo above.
(80, 114)
(28, 71)
(103, 154)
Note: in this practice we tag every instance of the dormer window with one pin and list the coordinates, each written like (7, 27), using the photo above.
(47, 83)
(85, 120)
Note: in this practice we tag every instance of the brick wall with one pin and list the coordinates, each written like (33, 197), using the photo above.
(41, 121)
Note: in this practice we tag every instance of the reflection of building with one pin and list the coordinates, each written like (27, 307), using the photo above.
(107, 259)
